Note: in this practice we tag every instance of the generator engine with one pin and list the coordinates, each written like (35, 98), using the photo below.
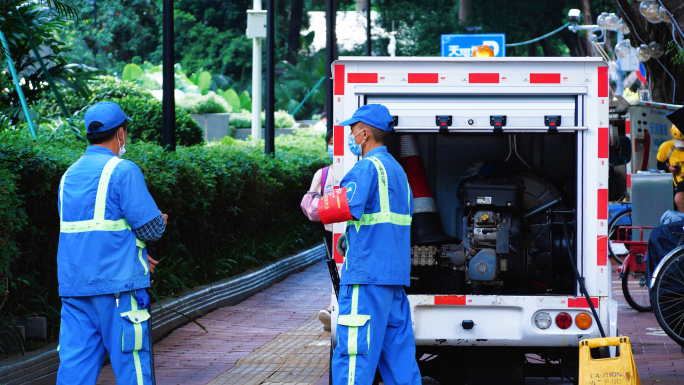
(511, 241)
(493, 235)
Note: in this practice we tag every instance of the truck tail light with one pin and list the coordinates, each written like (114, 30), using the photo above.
(563, 320)
(583, 321)
(542, 320)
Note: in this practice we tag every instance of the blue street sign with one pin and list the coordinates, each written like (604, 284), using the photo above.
(462, 45)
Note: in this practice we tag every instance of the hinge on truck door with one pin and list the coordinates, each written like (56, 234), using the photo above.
(443, 121)
(497, 121)
(552, 122)
(395, 119)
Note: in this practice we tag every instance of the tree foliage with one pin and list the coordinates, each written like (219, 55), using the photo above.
(666, 74)
(420, 24)
(42, 24)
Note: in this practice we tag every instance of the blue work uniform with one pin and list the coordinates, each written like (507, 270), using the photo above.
(374, 326)
(102, 269)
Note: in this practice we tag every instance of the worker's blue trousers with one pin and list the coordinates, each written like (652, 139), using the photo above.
(374, 330)
(92, 326)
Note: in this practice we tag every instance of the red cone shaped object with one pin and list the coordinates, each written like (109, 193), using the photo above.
(426, 226)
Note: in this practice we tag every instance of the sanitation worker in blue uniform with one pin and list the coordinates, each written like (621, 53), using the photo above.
(374, 324)
(106, 214)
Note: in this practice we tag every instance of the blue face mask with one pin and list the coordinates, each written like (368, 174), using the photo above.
(330, 151)
(353, 147)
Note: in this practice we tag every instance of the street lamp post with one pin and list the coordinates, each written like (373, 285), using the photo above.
(270, 78)
(168, 102)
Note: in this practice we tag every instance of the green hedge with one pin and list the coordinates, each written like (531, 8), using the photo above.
(230, 208)
(137, 103)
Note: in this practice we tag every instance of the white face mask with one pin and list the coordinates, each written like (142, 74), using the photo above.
(122, 149)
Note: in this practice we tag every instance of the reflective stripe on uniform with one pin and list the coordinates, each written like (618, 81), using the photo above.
(138, 343)
(385, 215)
(98, 223)
(352, 348)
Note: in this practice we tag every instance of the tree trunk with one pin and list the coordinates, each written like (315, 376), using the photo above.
(294, 30)
(663, 85)
(588, 20)
(465, 8)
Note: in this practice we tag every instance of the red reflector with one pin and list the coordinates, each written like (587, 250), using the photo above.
(338, 87)
(423, 78)
(545, 78)
(603, 82)
(338, 141)
(443, 123)
(602, 204)
(362, 78)
(497, 123)
(563, 320)
(450, 300)
(552, 123)
(483, 78)
(603, 141)
(619, 270)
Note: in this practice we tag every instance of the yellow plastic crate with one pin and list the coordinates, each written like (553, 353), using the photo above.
(619, 370)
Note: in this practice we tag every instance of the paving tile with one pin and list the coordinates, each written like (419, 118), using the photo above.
(262, 341)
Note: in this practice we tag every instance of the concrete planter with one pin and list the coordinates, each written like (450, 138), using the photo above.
(214, 126)
(243, 133)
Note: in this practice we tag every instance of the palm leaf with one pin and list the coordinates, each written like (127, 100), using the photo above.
(63, 9)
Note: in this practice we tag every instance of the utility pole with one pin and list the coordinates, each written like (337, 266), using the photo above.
(256, 17)
(368, 28)
(270, 77)
(330, 15)
(168, 83)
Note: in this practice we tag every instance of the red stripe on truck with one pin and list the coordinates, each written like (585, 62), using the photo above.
(362, 78)
(628, 127)
(602, 250)
(338, 141)
(603, 82)
(339, 79)
(545, 78)
(338, 257)
(603, 142)
(450, 300)
(483, 78)
(582, 302)
(629, 180)
(602, 204)
(423, 78)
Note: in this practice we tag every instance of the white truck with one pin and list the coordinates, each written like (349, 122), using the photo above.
(516, 155)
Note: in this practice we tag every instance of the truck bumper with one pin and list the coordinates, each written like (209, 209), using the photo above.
(504, 320)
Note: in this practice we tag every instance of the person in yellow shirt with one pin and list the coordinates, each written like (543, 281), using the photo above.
(671, 156)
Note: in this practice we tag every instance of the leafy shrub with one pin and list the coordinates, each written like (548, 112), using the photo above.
(244, 119)
(204, 104)
(137, 103)
(230, 207)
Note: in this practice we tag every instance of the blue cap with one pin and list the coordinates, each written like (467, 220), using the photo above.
(375, 115)
(107, 113)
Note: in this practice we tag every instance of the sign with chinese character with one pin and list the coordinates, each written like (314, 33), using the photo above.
(462, 45)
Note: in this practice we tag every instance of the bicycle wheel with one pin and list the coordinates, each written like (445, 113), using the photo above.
(668, 297)
(635, 289)
(619, 250)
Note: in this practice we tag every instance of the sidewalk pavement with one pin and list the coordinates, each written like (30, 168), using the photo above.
(258, 340)
(189, 355)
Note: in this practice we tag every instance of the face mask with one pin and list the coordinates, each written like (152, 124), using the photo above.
(355, 148)
(330, 151)
(122, 149)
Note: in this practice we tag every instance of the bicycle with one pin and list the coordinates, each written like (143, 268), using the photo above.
(633, 269)
(667, 294)
(619, 219)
